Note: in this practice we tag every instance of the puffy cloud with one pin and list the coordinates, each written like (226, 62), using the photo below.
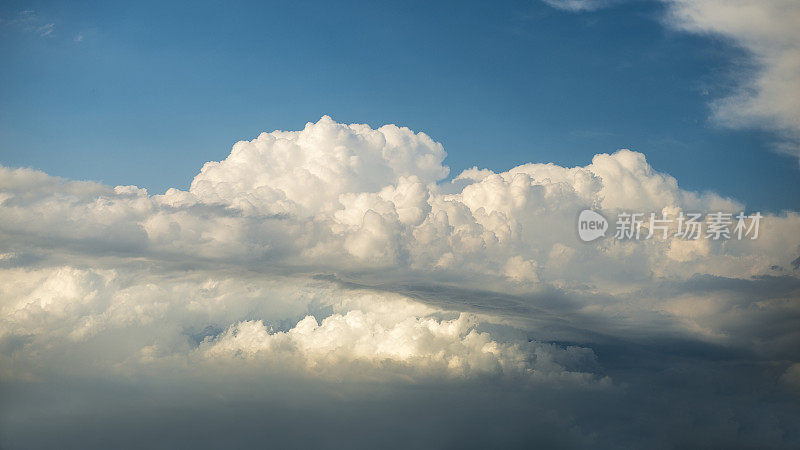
(369, 205)
(305, 172)
(340, 253)
(422, 346)
(139, 321)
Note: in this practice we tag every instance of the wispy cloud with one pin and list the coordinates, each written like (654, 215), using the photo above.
(28, 21)
(580, 5)
(766, 97)
(45, 30)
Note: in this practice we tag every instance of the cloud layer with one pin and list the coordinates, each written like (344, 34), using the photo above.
(338, 255)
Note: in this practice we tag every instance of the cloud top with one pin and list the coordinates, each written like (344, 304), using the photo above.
(305, 172)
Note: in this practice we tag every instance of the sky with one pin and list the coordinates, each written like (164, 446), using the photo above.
(362, 225)
(107, 88)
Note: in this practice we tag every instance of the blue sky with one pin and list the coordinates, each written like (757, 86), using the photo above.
(144, 93)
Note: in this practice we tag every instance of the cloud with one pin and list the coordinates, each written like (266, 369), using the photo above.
(765, 97)
(299, 201)
(46, 29)
(61, 310)
(791, 377)
(420, 346)
(339, 256)
(29, 21)
(305, 172)
(579, 5)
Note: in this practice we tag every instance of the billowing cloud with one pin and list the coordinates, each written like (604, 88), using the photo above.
(339, 255)
(305, 172)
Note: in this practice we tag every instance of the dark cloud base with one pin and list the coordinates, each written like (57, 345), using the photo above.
(669, 395)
